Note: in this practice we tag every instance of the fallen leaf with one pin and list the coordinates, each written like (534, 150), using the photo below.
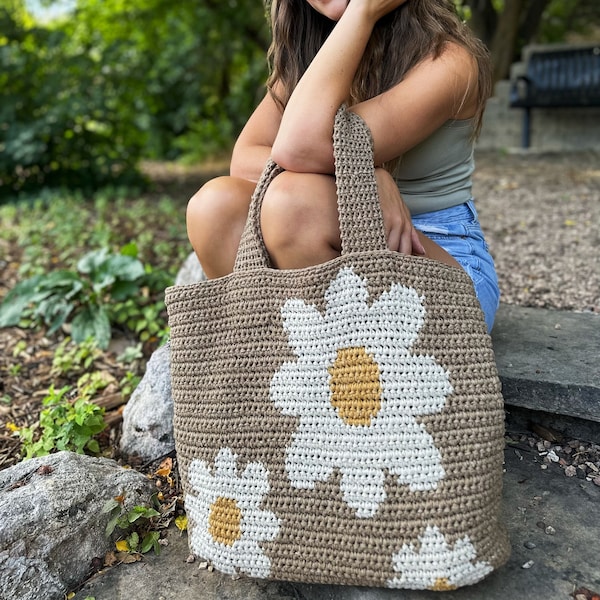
(584, 593)
(181, 522)
(110, 559)
(129, 557)
(122, 546)
(547, 433)
(165, 468)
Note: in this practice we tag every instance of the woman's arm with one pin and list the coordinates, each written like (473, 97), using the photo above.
(431, 93)
(253, 146)
(304, 141)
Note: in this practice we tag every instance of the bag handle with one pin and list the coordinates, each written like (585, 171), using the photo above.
(361, 220)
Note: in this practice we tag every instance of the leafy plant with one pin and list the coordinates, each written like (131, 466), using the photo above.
(15, 369)
(90, 383)
(130, 354)
(64, 425)
(82, 295)
(20, 347)
(146, 321)
(136, 524)
(128, 383)
(70, 357)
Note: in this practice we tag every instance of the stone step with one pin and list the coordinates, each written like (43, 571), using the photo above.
(549, 362)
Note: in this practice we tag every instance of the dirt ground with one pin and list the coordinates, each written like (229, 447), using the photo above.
(541, 217)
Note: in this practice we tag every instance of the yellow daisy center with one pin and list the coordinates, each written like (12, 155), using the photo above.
(225, 521)
(355, 386)
(442, 584)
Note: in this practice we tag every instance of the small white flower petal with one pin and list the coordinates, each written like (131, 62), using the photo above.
(253, 486)
(199, 474)
(225, 464)
(307, 460)
(252, 560)
(300, 388)
(303, 323)
(363, 490)
(409, 315)
(260, 525)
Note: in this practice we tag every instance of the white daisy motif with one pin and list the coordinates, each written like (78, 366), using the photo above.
(357, 388)
(438, 566)
(228, 521)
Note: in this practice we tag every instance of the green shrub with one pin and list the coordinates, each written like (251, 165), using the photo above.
(64, 425)
(80, 296)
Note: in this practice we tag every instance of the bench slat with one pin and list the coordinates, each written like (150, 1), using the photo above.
(559, 78)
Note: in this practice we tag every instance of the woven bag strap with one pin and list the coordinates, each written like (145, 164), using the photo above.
(361, 220)
(252, 253)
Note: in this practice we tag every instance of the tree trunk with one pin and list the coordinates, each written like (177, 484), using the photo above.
(531, 22)
(483, 19)
(505, 37)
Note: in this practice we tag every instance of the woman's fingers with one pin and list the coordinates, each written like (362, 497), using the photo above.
(401, 235)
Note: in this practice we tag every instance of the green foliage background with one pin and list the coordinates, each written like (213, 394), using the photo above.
(84, 98)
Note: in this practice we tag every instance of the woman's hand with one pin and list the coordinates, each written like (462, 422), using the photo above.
(377, 8)
(400, 234)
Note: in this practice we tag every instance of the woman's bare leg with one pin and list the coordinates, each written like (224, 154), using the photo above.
(216, 216)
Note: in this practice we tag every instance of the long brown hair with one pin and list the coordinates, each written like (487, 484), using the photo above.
(400, 40)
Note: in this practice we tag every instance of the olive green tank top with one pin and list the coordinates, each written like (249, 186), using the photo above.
(436, 173)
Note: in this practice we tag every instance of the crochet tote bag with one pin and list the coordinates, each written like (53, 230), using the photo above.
(341, 423)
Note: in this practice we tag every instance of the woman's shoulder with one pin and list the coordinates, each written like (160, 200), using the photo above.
(454, 55)
(459, 65)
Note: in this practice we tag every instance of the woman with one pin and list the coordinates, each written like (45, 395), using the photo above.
(419, 79)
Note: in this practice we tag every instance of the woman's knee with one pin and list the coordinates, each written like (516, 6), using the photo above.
(297, 202)
(217, 207)
(210, 203)
(215, 217)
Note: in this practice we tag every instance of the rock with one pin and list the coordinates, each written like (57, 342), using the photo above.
(148, 416)
(147, 431)
(570, 471)
(190, 272)
(51, 520)
(529, 545)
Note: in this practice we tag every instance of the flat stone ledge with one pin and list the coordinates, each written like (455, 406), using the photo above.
(548, 360)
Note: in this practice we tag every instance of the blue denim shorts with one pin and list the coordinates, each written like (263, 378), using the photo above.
(457, 230)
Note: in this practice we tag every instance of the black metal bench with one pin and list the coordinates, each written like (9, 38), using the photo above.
(554, 78)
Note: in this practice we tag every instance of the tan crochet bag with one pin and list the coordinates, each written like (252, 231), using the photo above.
(341, 423)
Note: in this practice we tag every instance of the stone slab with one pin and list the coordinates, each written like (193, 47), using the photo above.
(549, 360)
